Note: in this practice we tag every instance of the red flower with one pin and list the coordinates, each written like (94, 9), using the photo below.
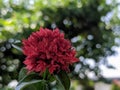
(47, 49)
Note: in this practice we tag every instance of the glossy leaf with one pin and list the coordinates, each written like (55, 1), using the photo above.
(32, 85)
(29, 77)
(63, 79)
(22, 73)
(25, 77)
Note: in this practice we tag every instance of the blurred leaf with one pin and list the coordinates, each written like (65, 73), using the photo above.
(63, 79)
(30, 81)
(28, 77)
(17, 41)
(110, 67)
(22, 73)
(33, 85)
(17, 47)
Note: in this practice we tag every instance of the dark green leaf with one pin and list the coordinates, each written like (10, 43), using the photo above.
(51, 78)
(29, 77)
(33, 85)
(63, 79)
(22, 73)
(26, 77)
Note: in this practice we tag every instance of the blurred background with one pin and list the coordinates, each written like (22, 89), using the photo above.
(93, 26)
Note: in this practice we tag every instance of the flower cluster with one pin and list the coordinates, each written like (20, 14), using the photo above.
(47, 49)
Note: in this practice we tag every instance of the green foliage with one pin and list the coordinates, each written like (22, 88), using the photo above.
(63, 79)
(35, 81)
(22, 73)
(6, 88)
(115, 87)
(32, 85)
(30, 81)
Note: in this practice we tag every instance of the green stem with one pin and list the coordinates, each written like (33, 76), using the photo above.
(44, 75)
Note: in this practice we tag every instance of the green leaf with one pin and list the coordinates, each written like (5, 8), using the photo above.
(29, 77)
(30, 81)
(22, 73)
(51, 78)
(25, 77)
(47, 76)
(16, 47)
(33, 85)
(63, 79)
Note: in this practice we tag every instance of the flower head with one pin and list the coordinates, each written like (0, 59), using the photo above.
(47, 49)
